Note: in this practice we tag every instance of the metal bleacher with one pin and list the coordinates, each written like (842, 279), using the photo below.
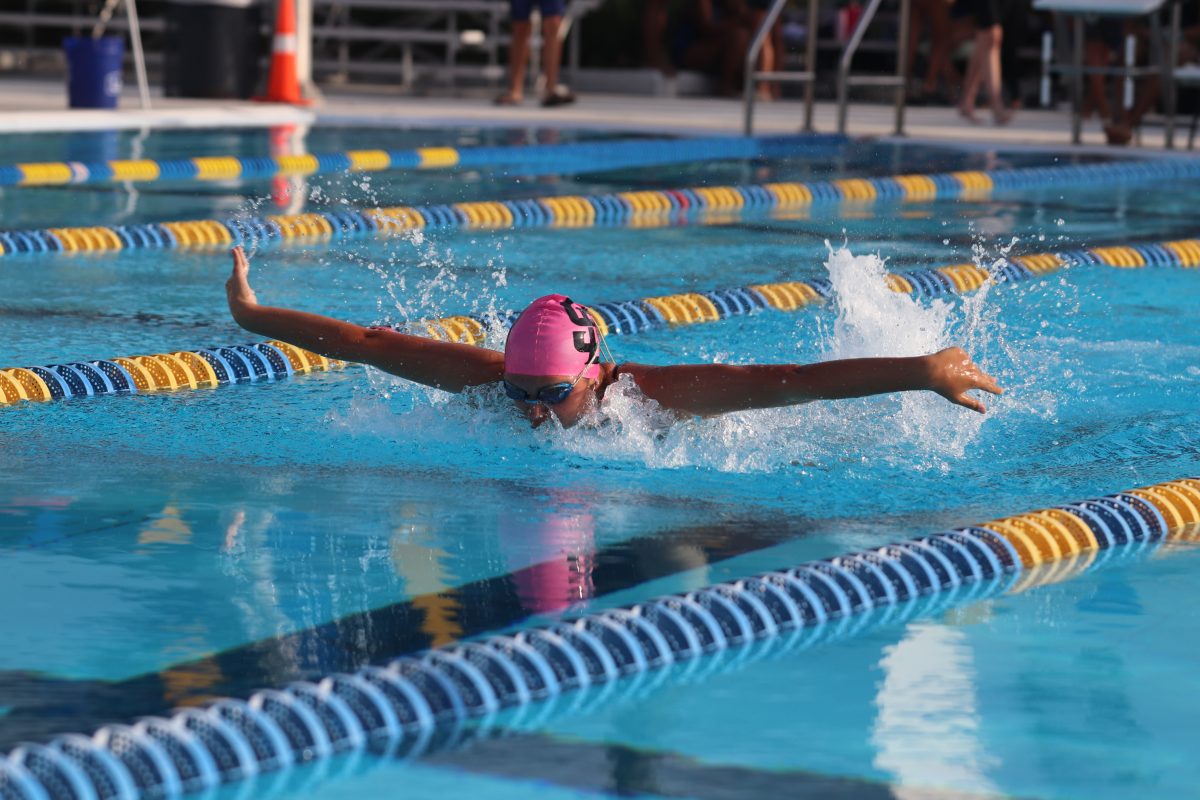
(442, 40)
(406, 39)
(403, 42)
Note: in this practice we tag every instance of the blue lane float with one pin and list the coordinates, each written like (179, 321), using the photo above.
(213, 367)
(404, 705)
(639, 209)
(590, 156)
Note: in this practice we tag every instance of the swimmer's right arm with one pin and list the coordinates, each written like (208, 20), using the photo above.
(448, 366)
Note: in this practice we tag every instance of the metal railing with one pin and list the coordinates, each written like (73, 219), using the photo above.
(900, 80)
(1164, 49)
(808, 76)
(754, 77)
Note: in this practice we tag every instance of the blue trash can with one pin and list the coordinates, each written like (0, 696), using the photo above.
(94, 71)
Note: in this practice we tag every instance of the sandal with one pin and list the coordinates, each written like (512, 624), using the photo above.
(561, 96)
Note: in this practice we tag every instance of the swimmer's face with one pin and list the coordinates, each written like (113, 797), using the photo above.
(579, 402)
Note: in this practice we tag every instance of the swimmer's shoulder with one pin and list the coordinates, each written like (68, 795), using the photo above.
(611, 373)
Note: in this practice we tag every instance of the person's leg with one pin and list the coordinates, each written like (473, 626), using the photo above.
(654, 26)
(1097, 54)
(518, 55)
(551, 53)
(971, 84)
(776, 39)
(553, 94)
(733, 61)
(714, 55)
(991, 65)
(940, 65)
(1126, 122)
(766, 56)
(919, 19)
(518, 52)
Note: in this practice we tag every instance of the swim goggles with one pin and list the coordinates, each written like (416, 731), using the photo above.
(550, 395)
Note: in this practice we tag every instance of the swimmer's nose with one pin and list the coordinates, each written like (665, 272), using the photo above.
(538, 414)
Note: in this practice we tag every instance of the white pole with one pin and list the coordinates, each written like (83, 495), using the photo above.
(139, 58)
(1047, 59)
(1130, 59)
(304, 34)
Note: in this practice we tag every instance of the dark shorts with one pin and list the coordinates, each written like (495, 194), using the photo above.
(1110, 30)
(521, 9)
(986, 12)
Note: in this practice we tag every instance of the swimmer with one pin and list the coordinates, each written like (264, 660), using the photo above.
(551, 364)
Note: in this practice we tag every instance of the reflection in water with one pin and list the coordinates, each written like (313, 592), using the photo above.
(290, 189)
(927, 728)
(166, 527)
(424, 565)
(560, 545)
(265, 592)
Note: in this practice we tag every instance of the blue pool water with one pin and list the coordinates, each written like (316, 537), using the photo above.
(163, 549)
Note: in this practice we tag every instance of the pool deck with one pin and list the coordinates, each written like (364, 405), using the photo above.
(38, 105)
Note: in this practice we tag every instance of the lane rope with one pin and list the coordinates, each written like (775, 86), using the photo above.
(418, 701)
(691, 308)
(213, 367)
(183, 369)
(596, 155)
(649, 208)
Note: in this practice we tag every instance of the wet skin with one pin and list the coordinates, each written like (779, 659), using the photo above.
(582, 401)
(687, 390)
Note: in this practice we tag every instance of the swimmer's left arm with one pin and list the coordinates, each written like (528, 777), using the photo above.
(709, 389)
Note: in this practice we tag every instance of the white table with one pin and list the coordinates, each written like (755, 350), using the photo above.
(1078, 9)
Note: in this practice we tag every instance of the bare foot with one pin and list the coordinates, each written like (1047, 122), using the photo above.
(1118, 134)
(237, 288)
(561, 96)
(1002, 116)
(969, 115)
(508, 99)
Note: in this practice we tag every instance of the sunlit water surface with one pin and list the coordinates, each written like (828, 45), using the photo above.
(160, 549)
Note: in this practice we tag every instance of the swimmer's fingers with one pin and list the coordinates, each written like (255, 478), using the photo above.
(237, 287)
(966, 401)
(979, 380)
(953, 374)
(987, 383)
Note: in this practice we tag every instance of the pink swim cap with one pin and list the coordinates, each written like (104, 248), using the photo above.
(553, 336)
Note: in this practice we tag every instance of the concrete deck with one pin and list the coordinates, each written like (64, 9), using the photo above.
(32, 105)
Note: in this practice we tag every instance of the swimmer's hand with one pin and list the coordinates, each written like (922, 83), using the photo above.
(951, 373)
(449, 366)
(237, 288)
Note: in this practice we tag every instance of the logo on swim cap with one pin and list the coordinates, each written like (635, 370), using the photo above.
(553, 336)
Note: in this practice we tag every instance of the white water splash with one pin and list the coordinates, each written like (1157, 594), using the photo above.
(872, 320)
(915, 430)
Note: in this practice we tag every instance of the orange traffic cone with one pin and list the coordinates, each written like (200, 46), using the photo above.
(282, 84)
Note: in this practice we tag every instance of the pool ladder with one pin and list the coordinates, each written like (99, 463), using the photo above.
(809, 75)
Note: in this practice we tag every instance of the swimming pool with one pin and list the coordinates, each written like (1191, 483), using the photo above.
(164, 549)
